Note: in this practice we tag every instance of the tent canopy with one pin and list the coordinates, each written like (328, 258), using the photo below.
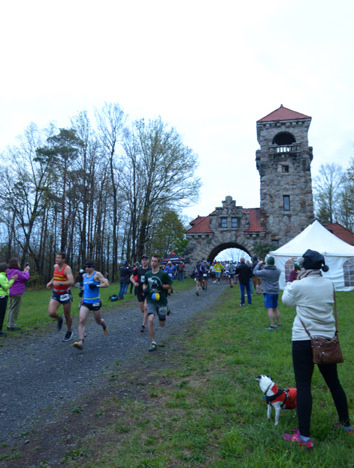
(339, 255)
(316, 237)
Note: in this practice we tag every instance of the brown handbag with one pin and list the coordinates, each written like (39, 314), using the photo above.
(326, 350)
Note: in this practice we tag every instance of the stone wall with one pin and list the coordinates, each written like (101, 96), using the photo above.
(285, 171)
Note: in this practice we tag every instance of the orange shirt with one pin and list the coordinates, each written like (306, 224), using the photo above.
(59, 275)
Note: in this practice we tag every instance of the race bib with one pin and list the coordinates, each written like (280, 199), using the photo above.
(64, 297)
(142, 279)
(96, 304)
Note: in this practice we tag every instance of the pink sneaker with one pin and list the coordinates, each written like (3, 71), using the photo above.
(347, 429)
(297, 439)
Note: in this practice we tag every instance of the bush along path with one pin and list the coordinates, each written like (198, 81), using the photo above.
(44, 380)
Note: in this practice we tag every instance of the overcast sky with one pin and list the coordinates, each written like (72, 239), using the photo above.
(210, 69)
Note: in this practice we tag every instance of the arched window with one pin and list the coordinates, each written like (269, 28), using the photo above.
(283, 138)
(348, 271)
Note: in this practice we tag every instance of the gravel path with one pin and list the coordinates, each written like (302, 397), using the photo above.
(40, 374)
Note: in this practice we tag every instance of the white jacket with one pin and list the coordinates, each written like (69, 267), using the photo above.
(313, 298)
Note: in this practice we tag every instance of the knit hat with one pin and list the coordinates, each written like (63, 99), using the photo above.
(270, 261)
(314, 261)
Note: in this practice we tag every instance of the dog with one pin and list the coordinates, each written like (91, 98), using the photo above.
(277, 398)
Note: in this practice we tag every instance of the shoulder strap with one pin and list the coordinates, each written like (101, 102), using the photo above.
(335, 315)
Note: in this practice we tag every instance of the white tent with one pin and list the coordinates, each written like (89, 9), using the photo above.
(339, 255)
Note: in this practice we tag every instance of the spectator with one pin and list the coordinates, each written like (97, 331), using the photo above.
(244, 274)
(313, 297)
(270, 287)
(180, 271)
(124, 279)
(5, 285)
(16, 291)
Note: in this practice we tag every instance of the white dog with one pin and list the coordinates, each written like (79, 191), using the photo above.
(277, 398)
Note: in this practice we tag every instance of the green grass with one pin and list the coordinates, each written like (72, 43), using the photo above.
(204, 407)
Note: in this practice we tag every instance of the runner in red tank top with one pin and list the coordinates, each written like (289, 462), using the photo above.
(61, 282)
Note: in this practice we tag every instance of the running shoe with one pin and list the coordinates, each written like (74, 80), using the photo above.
(153, 347)
(105, 331)
(60, 323)
(68, 336)
(143, 329)
(197, 293)
(79, 344)
(347, 429)
(270, 328)
(298, 439)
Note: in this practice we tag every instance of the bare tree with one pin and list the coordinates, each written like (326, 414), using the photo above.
(327, 188)
(168, 168)
(110, 123)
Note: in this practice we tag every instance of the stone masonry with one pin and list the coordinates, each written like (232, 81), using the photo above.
(284, 165)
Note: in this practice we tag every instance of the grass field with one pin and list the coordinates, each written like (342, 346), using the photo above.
(205, 408)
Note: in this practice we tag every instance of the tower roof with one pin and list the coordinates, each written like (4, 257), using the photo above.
(283, 113)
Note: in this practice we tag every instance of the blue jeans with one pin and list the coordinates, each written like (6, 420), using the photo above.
(248, 290)
(123, 289)
(180, 275)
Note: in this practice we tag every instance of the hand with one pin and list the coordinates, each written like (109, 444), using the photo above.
(92, 286)
(14, 277)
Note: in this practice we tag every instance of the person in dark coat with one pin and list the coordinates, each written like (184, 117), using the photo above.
(244, 274)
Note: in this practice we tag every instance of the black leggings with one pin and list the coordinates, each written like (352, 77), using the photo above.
(303, 368)
(3, 304)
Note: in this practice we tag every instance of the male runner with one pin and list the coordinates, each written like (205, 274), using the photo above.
(157, 284)
(93, 281)
(62, 280)
(138, 280)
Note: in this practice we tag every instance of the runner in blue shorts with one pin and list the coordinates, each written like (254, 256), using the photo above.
(93, 282)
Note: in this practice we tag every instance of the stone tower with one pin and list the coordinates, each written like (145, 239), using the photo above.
(284, 166)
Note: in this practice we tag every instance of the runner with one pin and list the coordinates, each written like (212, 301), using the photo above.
(61, 281)
(198, 273)
(206, 266)
(138, 279)
(157, 284)
(231, 274)
(93, 281)
(218, 269)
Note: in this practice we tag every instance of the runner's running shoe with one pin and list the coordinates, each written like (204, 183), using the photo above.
(153, 347)
(68, 336)
(143, 329)
(79, 344)
(105, 331)
(298, 439)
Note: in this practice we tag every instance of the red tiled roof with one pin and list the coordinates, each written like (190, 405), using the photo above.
(254, 216)
(200, 225)
(342, 232)
(283, 113)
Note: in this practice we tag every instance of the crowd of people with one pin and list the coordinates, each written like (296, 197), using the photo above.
(306, 289)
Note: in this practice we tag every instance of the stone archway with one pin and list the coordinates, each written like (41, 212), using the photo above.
(226, 227)
(227, 245)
